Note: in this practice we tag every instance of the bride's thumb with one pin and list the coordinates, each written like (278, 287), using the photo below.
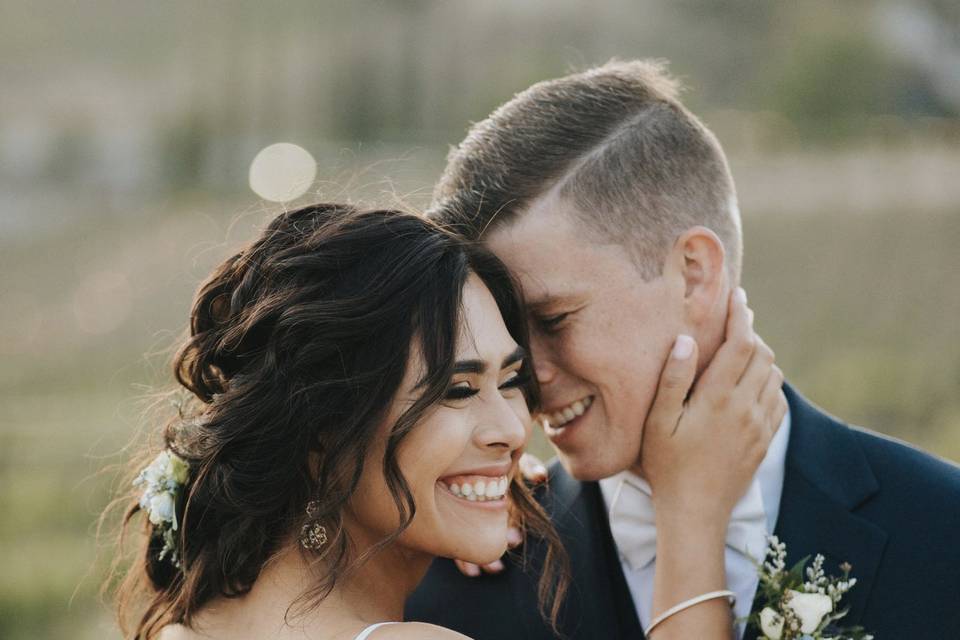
(675, 382)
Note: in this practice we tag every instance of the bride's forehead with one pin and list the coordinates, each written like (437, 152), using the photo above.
(482, 334)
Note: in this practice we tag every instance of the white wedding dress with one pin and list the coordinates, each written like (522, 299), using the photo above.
(366, 632)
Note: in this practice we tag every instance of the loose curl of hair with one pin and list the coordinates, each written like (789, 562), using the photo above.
(297, 347)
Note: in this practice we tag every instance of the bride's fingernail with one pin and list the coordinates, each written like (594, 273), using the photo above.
(742, 295)
(683, 347)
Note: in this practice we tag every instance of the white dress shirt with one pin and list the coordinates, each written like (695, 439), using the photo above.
(742, 576)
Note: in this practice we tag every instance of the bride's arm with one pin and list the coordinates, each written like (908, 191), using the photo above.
(699, 457)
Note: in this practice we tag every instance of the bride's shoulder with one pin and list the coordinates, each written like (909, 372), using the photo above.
(415, 631)
(176, 632)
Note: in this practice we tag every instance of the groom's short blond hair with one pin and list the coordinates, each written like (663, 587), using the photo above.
(616, 142)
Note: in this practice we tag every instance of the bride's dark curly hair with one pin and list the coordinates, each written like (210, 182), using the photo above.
(298, 344)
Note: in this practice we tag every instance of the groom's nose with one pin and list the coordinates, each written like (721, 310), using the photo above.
(543, 367)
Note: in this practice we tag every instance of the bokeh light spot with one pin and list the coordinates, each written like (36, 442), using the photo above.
(282, 172)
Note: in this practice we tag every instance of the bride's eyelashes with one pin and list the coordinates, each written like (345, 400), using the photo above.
(462, 390)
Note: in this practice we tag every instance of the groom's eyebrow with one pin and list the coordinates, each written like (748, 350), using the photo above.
(547, 301)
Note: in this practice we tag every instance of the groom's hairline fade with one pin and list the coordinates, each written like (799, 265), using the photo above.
(615, 142)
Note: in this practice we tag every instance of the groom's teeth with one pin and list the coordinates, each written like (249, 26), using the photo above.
(455, 489)
(480, 488)
(565, 415)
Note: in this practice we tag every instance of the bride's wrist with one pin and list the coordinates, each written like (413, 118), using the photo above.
(708, 519)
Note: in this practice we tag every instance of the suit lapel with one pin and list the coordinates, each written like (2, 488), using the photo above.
(826, 478)
(599, 603)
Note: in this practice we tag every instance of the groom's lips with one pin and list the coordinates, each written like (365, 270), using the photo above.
(559, 433)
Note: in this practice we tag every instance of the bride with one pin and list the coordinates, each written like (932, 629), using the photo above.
(360, 396)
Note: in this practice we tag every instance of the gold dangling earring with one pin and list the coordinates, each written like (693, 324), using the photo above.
(313, 535)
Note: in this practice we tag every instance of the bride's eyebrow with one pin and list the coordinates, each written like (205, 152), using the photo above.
(479, 366)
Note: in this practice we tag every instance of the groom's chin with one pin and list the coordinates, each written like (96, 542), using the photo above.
(585, 467)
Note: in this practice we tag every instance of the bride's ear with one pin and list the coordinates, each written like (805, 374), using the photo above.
(699, 259)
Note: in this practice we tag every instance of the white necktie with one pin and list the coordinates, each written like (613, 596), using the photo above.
(633, 527)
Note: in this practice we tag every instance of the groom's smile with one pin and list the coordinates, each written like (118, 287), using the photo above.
(599, 334)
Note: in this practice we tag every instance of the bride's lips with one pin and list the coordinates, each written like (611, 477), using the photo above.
(483, 487)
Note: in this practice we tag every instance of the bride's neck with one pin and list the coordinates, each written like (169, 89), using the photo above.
(378, 589)
(374, 592)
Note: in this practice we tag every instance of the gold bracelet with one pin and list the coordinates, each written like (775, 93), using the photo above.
(686, 604)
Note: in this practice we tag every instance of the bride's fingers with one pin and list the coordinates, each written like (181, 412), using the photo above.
(675, 382)
(772, 399)
(734, 354)
(754, 379)
(493, 567)
(467, 568)
(532, 469)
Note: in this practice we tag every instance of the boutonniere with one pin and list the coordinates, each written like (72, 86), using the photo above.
(802, 602)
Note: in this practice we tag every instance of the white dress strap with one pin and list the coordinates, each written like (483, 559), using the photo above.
(366, 632)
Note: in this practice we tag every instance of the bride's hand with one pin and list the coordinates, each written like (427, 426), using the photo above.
(700, 455)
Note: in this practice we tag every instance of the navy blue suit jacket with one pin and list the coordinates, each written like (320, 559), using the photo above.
(891, 511)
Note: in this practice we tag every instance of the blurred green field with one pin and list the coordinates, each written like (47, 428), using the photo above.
(861, 310)
(126, 136)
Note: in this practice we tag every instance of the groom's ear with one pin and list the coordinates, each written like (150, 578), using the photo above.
(700, 262)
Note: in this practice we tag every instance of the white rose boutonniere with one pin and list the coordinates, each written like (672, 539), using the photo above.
(771, 624)
(801, 602)
(810, 608)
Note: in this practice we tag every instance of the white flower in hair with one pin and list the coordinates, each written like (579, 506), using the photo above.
(161, 510)
(162, 481)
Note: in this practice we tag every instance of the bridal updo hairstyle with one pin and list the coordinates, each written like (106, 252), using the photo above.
(297, 347)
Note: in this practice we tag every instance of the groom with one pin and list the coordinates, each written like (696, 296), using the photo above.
(587, 186)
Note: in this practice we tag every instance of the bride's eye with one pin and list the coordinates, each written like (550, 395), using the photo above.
(460, 390)
(516, 380)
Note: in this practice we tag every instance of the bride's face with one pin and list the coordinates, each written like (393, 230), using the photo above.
(460, 459)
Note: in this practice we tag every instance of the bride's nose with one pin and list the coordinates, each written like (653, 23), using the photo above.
(501, 426)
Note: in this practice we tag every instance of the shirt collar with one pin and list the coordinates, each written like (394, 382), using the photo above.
(771, 471)
(769, 474)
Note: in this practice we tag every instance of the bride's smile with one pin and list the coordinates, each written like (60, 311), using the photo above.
(460, 459)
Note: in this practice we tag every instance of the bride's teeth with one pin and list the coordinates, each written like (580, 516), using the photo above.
(578, 408)
(480, 490)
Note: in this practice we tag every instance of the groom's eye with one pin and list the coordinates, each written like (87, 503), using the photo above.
(550, 323)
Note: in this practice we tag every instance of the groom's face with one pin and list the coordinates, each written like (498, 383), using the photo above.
(599, 334)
